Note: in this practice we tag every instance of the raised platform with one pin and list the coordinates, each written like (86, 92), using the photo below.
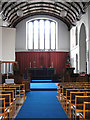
(44, 81)
(44, 85)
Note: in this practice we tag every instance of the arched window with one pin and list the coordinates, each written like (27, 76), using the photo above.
(41, 34)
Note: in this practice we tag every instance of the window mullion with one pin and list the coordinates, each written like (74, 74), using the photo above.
(50, 34)
(33, 34)
(44, 34)
(27, 35)
(55, 36)
(38, 34)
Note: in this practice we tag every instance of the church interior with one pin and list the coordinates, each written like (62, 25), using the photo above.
(45, 59)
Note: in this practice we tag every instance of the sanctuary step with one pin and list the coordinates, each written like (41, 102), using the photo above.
(44, 81)
(43, 85)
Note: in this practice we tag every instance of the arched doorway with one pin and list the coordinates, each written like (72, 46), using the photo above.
(82, 49)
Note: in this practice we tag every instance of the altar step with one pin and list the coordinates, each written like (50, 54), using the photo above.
(33, 89)
(43, 86)
(44, 81)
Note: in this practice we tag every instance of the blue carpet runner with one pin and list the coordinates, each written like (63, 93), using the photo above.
(42, 104)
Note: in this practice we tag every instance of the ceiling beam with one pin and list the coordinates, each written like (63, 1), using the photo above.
(14, 23)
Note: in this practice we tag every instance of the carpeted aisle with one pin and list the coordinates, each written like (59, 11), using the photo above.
(41, 104)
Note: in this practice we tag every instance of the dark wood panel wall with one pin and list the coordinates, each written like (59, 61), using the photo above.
(42, 59)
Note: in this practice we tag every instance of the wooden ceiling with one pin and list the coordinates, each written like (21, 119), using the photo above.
(43, 7)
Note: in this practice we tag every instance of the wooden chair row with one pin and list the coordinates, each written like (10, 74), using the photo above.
(2, 108)
(81, 107)
(67, 94)
(20, 89)
(9, 104)
(86, 111)
(6, 106)
(75, 101)
(62, 86)
(9, 95)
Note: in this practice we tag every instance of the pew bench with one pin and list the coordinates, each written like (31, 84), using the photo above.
(2, 108)
(20, 91)
(14, 99)
(79, 105)
(12, 105)
(72, 100)
(7, 104)
(13, 94)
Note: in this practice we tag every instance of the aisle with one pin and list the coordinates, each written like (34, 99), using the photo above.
(41, 104)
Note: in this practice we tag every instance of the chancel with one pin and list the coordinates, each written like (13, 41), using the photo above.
(44, 59)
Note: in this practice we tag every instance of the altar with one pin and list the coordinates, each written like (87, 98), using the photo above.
(41, 73)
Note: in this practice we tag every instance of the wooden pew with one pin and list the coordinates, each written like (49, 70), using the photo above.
(62, 88)
(20, 91)
(14, 90)
(2, 107)
(68, 96)
(8, 92)
(3, 86)
(7, 103)
(63, 100)
(65, 87)
(72, 100)
(76, 85)
(79, 101)
(12, 106)
(86, 111)
(87, 93)
(17, 91)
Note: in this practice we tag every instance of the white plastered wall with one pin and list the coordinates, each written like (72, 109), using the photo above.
(75, 49)
(7, 43)
(0, 43)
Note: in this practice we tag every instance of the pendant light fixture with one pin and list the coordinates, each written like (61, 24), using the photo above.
(20, 12)
(63, 13)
